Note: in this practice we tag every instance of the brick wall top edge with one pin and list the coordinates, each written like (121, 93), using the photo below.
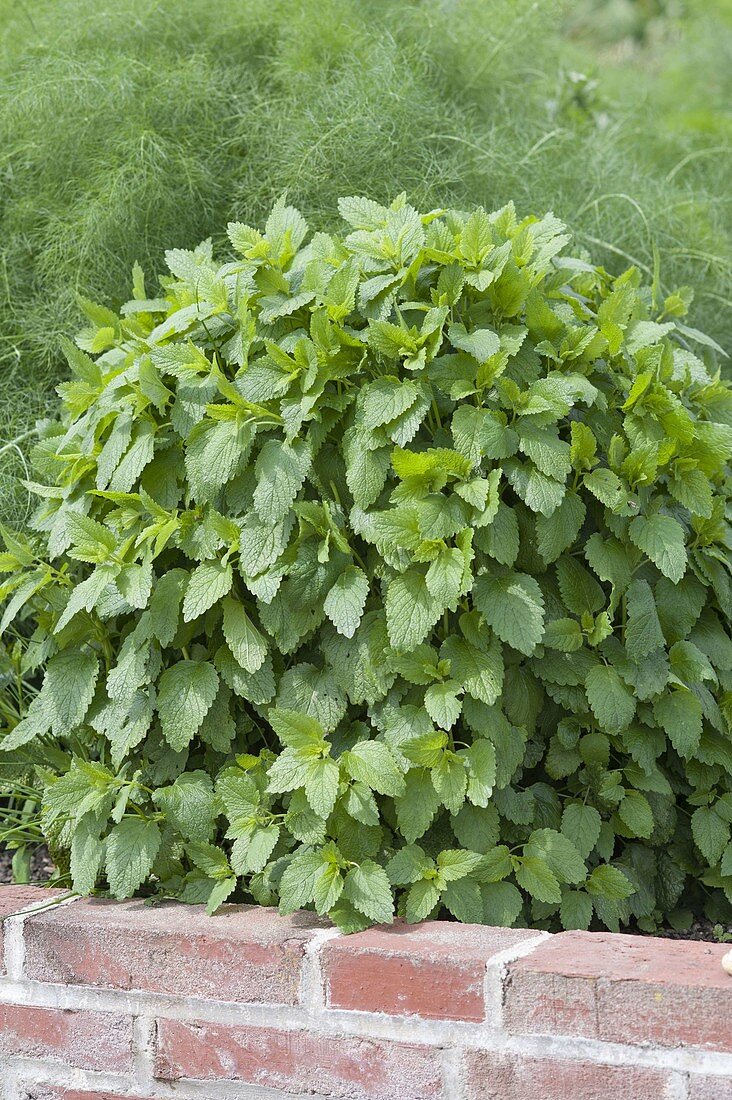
(653, 960)
(253, 923)
(245, 953)
(406, 970)
(18, 899)
(646, 959)
(434, 938)
(14, 899)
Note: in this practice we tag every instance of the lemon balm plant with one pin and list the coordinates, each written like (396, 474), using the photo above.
(385, 572)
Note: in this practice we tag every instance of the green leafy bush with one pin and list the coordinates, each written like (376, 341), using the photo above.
(130, 127)
(385, 572)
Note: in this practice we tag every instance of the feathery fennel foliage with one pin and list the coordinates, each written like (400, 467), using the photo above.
(385, 572)
(131, 127)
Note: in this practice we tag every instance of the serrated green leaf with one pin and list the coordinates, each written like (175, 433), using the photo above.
(563, 634)
(209, 583)
(711, 833)
(321, 786)
(185, 694)
(643, 632)
(408, 865)
(607, 487)
(454, 864)
(611, 701)
(679, 712)
(636, 814)
(372, 763)
(297, 730)
(464, 900)
(442, 703)
(367, 888)
(298, 881)
(480, 343)
(242, 637)
(480, 761)
(214, 452)
(68, 689)
(479, 434)
(513, 605)
(251, 852)
(480, 671)
(548, 452)
(538, 881)
(280, 471)
(188, 805)
(421, 900)
(558, 853)
(87, 853)
(165, 605)
(477, 827)
(209, 859)
(579, 590)
(554, 533)
(502, 904)
(662, 539)
(444, 578)
(411, 610)
(346, 600)
(500, 539)
(575, 910)
(609, 883)
(131, 849)
(416, 808)
(582, 825)
(540, 493)
(450, 780)
(221, 891)
(384, 399)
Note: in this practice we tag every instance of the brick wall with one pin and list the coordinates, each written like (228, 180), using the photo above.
(100, 1001)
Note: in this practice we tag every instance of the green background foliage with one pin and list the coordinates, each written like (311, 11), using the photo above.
(132, 127)
(385, 572)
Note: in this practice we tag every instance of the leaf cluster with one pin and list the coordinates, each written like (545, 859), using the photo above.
(386, 572)
(130, 128)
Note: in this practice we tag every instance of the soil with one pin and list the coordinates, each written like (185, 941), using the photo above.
(701, 929)
(41, 865)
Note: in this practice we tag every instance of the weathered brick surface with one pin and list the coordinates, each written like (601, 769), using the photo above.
(624, 989)
(244, 953)
(710, 1088)
(426, 971)
(81, 960)
(13, 899)
(508, 1077)
(89, 1040)
(51, 1092)
(353, 1068)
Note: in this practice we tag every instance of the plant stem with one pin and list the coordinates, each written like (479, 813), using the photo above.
(18, 440)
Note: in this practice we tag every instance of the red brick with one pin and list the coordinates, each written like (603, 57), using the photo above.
(709, 1088)
(13, 899)
(244, 953)
(508, 1077)
(436, 970)
(89, 1040)
(626, 989)
(353, 1068)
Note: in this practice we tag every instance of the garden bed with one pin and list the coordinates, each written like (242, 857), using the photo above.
(103, 1000)
(41, 866)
